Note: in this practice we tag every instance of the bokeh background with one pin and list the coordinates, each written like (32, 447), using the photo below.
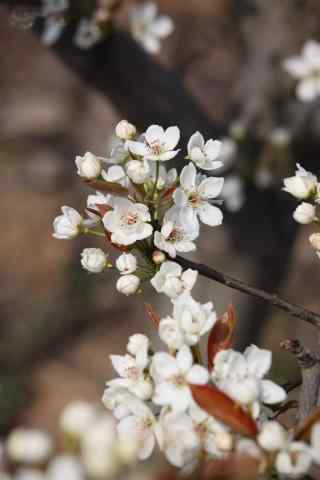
(58, 325)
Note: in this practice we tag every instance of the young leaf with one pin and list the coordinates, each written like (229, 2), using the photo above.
(221, 335)
(152, 314)
(108, 187)
(223, 408)
(303, 432)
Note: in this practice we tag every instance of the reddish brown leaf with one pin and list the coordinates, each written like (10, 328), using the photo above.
(223, 408)
(232, 466)
(152, 314)
(168, 193)
(303, 432)
(221, 335)
(108, 187)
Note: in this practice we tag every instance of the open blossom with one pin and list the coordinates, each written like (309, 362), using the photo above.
(294, 461)
(303, 185)
(242, 377)
(68, 225)
(306, 68)
(158, 144)
(305, 213)
(89, 166)
(171, 280)
(148, 28)
(128, 284)
(189, 322)
(315, 443)
(172, 375)
(204, 154)
(126, 263)
(94, 260)
(128, 222)
(194, 196)
(273, 437)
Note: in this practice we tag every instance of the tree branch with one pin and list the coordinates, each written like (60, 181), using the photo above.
(272, 299)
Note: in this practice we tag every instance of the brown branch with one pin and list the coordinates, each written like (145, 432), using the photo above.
(272, 299)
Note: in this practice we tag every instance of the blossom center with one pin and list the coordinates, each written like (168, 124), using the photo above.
(156, 147)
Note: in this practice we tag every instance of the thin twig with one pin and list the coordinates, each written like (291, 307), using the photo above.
(272, 299)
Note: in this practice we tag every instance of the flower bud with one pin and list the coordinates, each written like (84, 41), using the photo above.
(224, 441)
(137, 343)
(29, 446)
(126, 263)
(94, 260)
(158, 257)
(77, 417)
(272, 437)
(299, 186)
(125, 130)
(68, 225)
(128, 284)
(137, 171)
(89, 166)
(315, 241)
(304, 213)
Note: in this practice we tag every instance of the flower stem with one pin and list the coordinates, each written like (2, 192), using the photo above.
(94, 232)
(197, 354)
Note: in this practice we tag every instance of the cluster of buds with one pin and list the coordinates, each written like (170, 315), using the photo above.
(305, 187)
(146, 25)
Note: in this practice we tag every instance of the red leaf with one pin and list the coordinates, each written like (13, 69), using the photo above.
(223, 408)
(303, 432)
(108, 187)
(152, 314)
(221, 335)
(232, 466)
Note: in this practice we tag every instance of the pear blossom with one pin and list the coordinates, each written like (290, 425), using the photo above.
(138, 171)
(118, 152)
(115, 174)
(128, 284)
(303, 185)
(149, 28)
(128, 222)
(273, 437)
(68, 225)
(77, 417)
(116, 399)
(126, 263)
(294, 461)
(125, 130)
(305, 213)
(189, 322)
(157, 145)
(194, 196)
(172, 375)
(171, 280)
(87, 34)
(94, 260)
(138, 346)
(29, 446)
(242, 377)
(306, 69)
(204, 154)
(89, 166)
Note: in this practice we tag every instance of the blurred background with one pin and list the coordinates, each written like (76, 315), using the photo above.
(58, 324)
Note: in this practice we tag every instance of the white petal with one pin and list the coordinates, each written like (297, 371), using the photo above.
(307, 90)
(259, 360)
(184, 359)
(213, 148)
(210, 215)
(162, 26)
(297, 67)
(137, 148)
(272, 393)
(164, 366)
(198, 375)
(188, 177)
(196, 140)
(154, 133)
(121, 363)
(171, 137)
(211, 187)
(164, 157)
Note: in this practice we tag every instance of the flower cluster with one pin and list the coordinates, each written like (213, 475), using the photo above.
(146, 26)
(305, 187)
(306, 69)
(145, 211)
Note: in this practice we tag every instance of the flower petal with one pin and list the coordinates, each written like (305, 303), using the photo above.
(210, 215)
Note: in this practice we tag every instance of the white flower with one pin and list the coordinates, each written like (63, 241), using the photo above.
(125, 130)
(305, 213)
(172, 375)
(233, 193)
(128, 222)
(190, 321)
(77, 417)
(306, 68)
(128, 284)
(126, 263)
(88, 34)
(148, 28)
(28, 446)
(315, 241)
(65, 466)
(94, 260)
(315, 443)
(171, 280)
(295, 461)
(89, 166)
(302, 185)
(195, 193)
(138, 171)
(241, 377)
(139, 427)
(158, 144)
(116, 399)
(272, 436)
(177, 234)
(138, 346)
(204, 154)
(115, 174)
(132, 372)
(68, 225)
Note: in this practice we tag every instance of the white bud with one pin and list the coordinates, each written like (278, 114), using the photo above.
(170, 333)
(94, 260)
(137, 343)
(272, 437)
(304, 213)
(29, 446)
(128, 284)
(77, 417)
(158, 257)
(315, 241)
(137, 171)
(89, 166)
(125, 130)
(300, 187)
(223, 441)
(126, 263)
(68, 225)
